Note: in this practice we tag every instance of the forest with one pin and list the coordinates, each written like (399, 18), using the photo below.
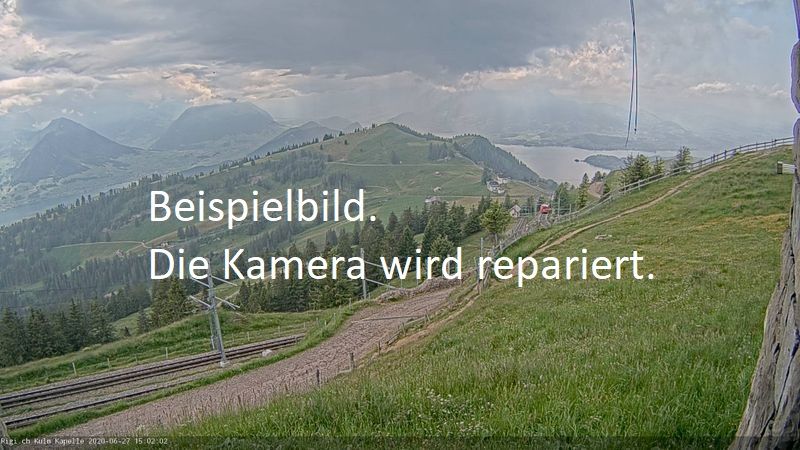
(43, 333)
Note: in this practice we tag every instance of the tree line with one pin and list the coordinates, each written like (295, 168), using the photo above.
(639, 167)
(38, 334)
(443, 226)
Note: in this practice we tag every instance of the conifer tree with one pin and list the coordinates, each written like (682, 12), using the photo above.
(100, 328)
(76, 332)
(142, 322)
(179, 304)
(13, 340)
(40, 334)
(583, 192)
(406, 245)
(495, 220)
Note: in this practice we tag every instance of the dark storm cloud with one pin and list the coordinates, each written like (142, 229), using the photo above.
(360, 37)
(377, 58)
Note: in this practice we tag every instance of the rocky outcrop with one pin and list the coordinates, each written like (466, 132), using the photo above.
(772, 416)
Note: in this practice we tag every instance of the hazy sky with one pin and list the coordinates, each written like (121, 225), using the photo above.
(369, 59)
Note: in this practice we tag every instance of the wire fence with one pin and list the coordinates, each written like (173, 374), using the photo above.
(677, 170)
(528, 225)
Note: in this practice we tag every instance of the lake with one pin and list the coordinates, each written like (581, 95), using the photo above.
(558, 163)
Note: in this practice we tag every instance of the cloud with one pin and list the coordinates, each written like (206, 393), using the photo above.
(379, 57)
(742, 27)
(715, 87)
(18, 100)
(371, 37)
(774, 92)
(29, 90)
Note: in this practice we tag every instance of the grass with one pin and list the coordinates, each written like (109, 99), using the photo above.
(669, 359)
(190, 336)
(130, 322)
(70, 256)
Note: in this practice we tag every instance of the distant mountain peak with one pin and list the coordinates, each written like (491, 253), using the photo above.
(310, 124)
(62, 123)
(339, 123)
(65, 147)
(303, 134)
(201, 125)
(229, 107)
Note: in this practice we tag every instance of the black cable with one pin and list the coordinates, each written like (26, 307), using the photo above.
(633, 107)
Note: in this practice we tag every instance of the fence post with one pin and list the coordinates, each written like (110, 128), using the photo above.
(74, 369)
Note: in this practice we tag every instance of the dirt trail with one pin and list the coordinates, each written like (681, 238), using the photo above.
(361, 335)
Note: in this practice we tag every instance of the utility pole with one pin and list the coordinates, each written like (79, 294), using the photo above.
(213, 332)
(212, 301)
(364, 278)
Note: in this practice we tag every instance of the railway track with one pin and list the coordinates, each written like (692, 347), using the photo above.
(33, 418)
(51, 392)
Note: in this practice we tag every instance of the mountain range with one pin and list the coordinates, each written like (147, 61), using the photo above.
(548, 121)
(200, 135)
(339, 124)
(39, 169)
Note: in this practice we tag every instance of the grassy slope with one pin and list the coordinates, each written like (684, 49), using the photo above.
(71, 256)
(669, 357)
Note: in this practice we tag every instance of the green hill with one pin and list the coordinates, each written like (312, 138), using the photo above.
(594, 362)
(100, 244)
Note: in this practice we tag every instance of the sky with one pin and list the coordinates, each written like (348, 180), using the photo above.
(701, 62)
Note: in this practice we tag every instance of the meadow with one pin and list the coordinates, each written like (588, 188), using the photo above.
(668, 360)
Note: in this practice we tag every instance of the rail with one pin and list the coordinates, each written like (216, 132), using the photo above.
(51, 392)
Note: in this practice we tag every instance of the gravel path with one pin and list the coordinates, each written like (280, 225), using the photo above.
(361, 335)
